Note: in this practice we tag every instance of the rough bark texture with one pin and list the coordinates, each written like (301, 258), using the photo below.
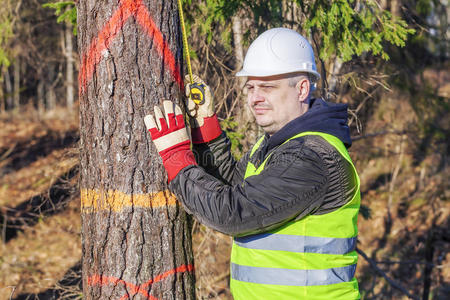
(136, 238)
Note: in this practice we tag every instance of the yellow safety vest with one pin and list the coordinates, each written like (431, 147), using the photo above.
(312, 258)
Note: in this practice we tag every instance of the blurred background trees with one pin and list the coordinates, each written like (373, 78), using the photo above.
(353, 41)
(37, 57)
(362, 48)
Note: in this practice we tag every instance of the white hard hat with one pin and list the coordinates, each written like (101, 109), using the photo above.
(279, 51)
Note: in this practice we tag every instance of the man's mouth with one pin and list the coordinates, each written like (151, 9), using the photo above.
(260, 110)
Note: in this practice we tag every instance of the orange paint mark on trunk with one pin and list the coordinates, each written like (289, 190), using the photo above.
(139, 11)
(94, 200)
(93, 55)
(145, 20)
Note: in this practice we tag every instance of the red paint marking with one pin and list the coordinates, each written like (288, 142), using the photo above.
(139, 11)
(137, 289)
(145, 20)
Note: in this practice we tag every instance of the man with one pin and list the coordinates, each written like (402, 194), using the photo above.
(291, 203)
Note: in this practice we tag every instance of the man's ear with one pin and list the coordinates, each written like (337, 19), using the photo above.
(303, 87)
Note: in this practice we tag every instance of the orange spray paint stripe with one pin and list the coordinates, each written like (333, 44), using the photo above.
(127, 8)
(94, 200)
(94, 53)
(145, 20)
(137, 289)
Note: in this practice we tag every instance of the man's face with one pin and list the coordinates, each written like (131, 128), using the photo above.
(274, 102)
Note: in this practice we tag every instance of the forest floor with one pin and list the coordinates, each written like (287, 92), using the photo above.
(404, 241)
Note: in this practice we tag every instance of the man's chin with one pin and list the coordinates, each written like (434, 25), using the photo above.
(268, 127)
(262, 122)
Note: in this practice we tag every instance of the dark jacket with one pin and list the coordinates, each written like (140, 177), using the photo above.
(304, 176)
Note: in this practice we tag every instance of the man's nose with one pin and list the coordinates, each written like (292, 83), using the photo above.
(256, 97)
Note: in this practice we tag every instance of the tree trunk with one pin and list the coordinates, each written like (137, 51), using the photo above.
(16, 83)
(245, 118)
(40, 93)
(9, 91)
(333, 76)
(136, 239)
(238, 47)
(68, 51)
(52, 81)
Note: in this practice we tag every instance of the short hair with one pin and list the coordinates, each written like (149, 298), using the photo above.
(297, 77)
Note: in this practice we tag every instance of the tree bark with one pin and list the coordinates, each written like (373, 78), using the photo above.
(40, 91)
(9, 90)
(333, 77)
(68, 51)
(53, 78)
(245, 118)
(16, 97)
(238, 46)
(136, 239)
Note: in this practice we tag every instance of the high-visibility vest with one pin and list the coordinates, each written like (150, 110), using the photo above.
(311, 258)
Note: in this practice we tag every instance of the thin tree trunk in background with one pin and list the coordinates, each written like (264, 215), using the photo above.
(53, 78)
(395, 8)
(238, 49)
(2, 95)
(16, 97)
(70, 95)
(287, 12)
(136, 239)
(9, 90)
(40, 93)
(333, 75)
(244, 117)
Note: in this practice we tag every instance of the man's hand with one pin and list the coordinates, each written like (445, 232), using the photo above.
(170, 137)
(203, 110)
(205, 126)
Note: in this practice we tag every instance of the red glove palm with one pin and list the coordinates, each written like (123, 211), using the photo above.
(170, 138)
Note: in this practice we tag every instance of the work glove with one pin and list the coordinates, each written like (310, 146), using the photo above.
(170, 137)
(205, 126)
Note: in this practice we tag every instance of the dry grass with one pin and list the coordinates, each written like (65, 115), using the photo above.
(39, 257)
(212, 254)
(36, 178)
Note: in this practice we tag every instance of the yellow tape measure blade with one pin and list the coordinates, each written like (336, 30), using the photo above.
(197, 93)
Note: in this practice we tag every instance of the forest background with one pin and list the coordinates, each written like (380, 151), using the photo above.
(389, 60)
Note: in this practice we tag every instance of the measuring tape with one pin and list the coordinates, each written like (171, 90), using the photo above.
(197, 90)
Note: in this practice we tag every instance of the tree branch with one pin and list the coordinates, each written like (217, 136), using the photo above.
(370, 135)
(393, 283)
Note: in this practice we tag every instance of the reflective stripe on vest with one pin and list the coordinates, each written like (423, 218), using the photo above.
(291, 277)
(297, 243)
(310, 258)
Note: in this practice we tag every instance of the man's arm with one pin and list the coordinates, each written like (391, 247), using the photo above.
(211, 146)
(216, 159)
(292, 185)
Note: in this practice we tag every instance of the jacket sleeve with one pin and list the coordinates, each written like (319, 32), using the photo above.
(216, 159)
(291, 185)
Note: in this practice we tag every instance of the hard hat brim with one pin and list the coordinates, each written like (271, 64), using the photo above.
(260, 73)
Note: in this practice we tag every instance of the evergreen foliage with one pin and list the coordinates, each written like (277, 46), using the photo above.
(345, 27)
(66, 12)
(6, 33)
